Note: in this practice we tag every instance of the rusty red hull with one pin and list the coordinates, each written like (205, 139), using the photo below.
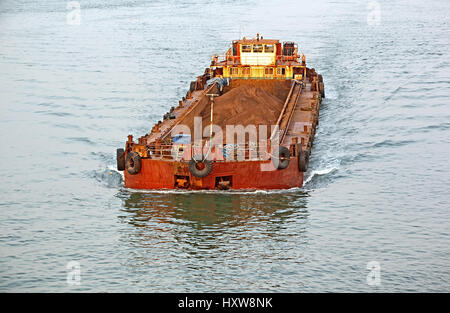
(161, 174)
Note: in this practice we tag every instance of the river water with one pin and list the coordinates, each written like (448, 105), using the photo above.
(377, 189)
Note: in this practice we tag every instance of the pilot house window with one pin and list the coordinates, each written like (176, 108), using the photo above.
(269, 48)
(257, 48)
(246, 48)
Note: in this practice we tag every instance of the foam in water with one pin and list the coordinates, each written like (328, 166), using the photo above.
(319, 173)
(109, 176)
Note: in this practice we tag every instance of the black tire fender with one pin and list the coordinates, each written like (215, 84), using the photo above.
(303, 160)
(320, 78)
(322, 89)
(281, 158)
(192, 86)
(133, 163)
(199, 166)
(120, 156)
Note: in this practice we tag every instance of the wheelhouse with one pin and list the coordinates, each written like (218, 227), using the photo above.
(259, 58)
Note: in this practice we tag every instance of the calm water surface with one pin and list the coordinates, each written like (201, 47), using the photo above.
(377, 188)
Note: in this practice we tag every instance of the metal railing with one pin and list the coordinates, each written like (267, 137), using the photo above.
(222, 153)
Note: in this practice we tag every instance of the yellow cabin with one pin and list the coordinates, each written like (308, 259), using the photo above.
(260, 58)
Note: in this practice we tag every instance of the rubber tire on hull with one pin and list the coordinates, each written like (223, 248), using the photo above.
(320, 78)
(120, 159)
(133, 163)
(322, 89)
(281, 158)
(192, 86)
(200, 172)
(303, 160)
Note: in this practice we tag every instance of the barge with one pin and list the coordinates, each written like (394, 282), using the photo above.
(248, 122)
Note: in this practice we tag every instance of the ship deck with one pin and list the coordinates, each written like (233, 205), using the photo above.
(297, 119)
(303, 119)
